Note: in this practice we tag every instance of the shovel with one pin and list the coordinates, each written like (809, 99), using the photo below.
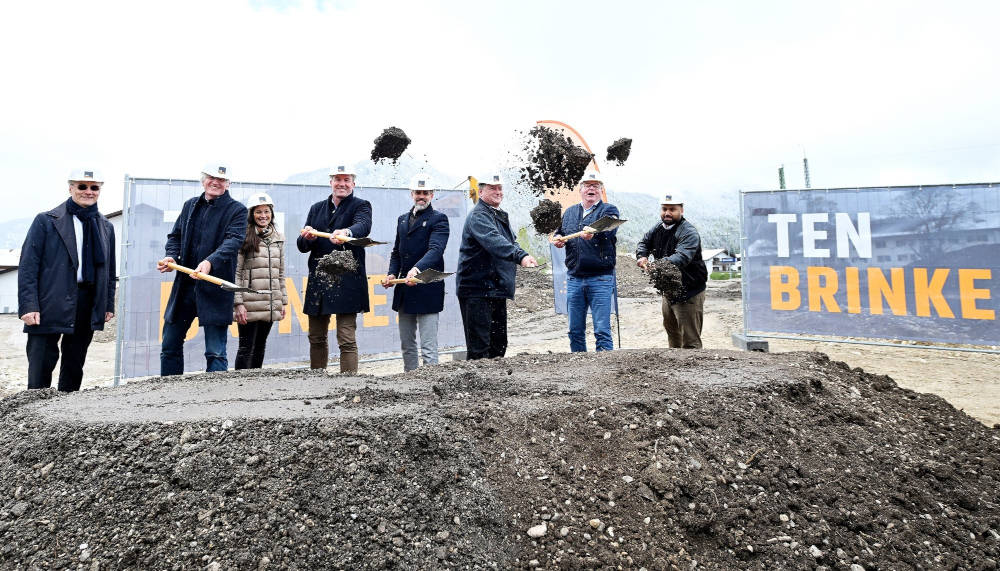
(228, 286)
(603, 225)
(356, 242)
(424, 277)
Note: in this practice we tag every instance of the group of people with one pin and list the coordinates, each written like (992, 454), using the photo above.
(66, 280)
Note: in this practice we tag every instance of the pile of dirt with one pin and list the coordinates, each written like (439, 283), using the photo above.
(547, 216)
(532, 291)
(666, 278)
(657, 459)
(619, 151)
(554, 161)
(332, 266)
(390, 144)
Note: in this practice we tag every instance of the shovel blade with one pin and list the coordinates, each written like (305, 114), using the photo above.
(364, 242)
(607, 223)
(235, 288)
(431, 276)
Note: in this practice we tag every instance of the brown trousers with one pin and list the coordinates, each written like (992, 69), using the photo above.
(319, 349)
(683, 321)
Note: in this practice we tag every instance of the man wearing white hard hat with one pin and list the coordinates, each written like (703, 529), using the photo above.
(66, 283)
(590, 265)
(206, 236)
(487, 265)
(676, 240)
(343, 215)
(421, 238)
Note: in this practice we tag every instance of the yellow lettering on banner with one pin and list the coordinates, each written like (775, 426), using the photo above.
(822, 293)
(969, 293)
(929, 291)
(879, 288)
(234, 331)
(164, 299)
(785, 282)
(853, 290)
(370, 319)
(295, 307)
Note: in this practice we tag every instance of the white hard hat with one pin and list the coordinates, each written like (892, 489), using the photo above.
(493, 179)
(259, 199)
(421, 181)
(342, 169)
(88, 175)
(591, 176)
(671, 198)
(218, 170)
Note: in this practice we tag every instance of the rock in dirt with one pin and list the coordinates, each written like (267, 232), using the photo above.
(554, 161)
(330, 267)
(619, 151)
(547, 216)
(538, 530)
(390, 144)
(666, 278)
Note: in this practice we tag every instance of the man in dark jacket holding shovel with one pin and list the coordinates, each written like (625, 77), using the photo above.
(207, 236)
(421, 238)
(487, 264)
(344, 216)
(66, 283)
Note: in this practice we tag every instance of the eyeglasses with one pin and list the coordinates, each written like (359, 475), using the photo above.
(94, 187)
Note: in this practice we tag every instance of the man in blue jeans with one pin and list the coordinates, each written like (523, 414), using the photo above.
(590, 263)
(207, 237)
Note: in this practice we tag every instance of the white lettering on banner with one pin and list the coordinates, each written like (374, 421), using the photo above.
(847, 234)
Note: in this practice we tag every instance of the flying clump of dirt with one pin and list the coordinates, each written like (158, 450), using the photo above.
(666, 278)
(554, 161)
(618, 151)
(547, 216)
(390, 144)
(335, 264)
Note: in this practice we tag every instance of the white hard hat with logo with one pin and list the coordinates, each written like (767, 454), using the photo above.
(591, 176)
(259, 199)
(421, 182)
(217, 170)
(342, 169)
(86, 175)
(671, 198)
(493, 179)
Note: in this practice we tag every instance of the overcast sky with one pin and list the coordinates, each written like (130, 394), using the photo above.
(716, 95)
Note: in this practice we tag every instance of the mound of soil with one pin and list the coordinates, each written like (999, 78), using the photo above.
(554, 161)
(618, 151)
(658, 459)
(666, 278)
(390, 144)
(330, 267)
(547, 216)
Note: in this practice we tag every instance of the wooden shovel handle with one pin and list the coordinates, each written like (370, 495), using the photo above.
(190, 272)
(398, 281)
(340, 239)
(576, 234)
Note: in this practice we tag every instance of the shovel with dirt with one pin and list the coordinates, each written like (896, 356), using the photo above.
(603, 225)
(425, 277)
(356, 242)
(228, 286)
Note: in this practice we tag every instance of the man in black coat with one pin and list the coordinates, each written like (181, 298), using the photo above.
(487, 264)
(206, 236)
(66, 283)
(345, 216)
(421, 238)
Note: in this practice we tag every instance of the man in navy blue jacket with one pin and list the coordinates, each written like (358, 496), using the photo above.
(345, 216)
(207, 236)
(487, 263)
(590, 263)
(421, 237)
(66, 283)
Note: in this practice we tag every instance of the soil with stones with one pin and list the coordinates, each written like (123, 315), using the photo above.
(666, 278)
(664, 459)
(547, 216)
(619, 151)
(330, 267)
(554, 160)
(390, 144)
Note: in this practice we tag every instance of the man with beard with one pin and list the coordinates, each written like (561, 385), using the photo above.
(421, 238)
(676, 240)
(206, 235)
(487, 264)
(66, 283)
(345, 216)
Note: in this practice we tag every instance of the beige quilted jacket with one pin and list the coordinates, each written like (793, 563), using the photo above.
(264, 272)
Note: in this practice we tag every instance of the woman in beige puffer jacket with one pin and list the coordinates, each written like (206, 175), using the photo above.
(260, 266)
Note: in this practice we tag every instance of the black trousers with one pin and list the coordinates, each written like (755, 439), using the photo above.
(253, 339)
(43, 349)
(485, 323)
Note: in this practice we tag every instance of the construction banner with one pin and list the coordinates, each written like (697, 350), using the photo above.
(152, 206)
(919, 263)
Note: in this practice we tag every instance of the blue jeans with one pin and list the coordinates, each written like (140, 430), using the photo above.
(595, 293)
(172, 350)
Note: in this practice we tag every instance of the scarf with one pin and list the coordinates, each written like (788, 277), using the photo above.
(92, 251)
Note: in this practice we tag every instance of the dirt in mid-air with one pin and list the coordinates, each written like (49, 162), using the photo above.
(332, 266)
(390, 144)
(666, 278)
(619, 151)
(553, 160)
(547, 216)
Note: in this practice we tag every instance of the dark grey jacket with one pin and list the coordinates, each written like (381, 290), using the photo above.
(488, 256)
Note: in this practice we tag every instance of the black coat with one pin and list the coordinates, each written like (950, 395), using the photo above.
(681, 244)
(351, 294)
(215, 237)
(488, 256)
(421, 244)
(46, 274)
